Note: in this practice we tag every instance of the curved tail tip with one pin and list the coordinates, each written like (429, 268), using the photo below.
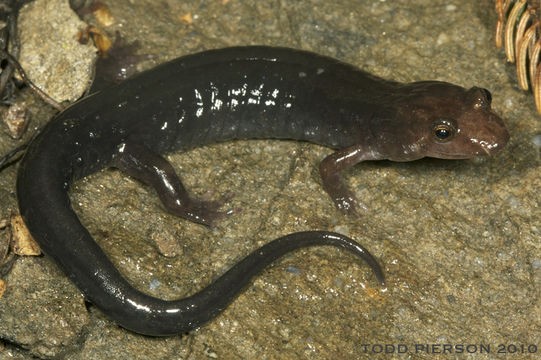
(379, 276)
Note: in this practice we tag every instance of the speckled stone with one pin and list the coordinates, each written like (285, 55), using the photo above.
(34, 312)
(51, 55)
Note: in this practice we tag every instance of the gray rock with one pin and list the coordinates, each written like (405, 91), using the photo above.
(51, 55)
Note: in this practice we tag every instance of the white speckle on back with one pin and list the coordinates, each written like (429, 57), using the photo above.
(199, 103)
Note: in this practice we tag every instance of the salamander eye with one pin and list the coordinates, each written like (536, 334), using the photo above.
(482, 98)
(488, 95)
(443, 130)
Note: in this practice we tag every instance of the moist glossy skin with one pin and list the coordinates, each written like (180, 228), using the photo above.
(219, 95)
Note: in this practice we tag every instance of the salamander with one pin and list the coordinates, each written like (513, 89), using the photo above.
(251, 92)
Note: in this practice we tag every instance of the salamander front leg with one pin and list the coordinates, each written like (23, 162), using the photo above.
(151, 168)
(333, 182)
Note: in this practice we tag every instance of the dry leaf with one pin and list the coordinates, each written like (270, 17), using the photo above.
(102, 41)
(23, 242)
(187, 18)
(2, 288)
(102, 14)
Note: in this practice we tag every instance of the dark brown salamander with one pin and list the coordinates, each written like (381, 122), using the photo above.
(219, 95)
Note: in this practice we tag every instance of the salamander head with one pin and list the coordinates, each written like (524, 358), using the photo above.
(446, 121)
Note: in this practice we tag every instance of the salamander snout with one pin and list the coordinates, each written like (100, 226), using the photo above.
(493, 137)
(490, 140)
(484, 128)
(452, 122)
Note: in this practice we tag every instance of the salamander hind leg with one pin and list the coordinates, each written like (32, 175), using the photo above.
(141, 163)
